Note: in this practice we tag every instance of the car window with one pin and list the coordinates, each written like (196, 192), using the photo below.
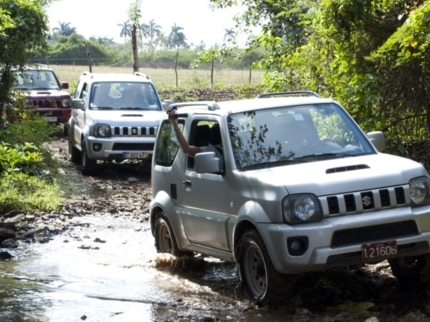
(124, 95)
(84, 91)
(204, 133)
(167, 145)
(36, 79)
(294, 134)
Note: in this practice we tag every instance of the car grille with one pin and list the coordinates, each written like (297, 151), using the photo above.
(368, 234)
(361, 201)
(46, 103)
(134, 131)
(133, 147)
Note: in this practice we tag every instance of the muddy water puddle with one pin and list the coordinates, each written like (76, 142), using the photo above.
(107, 269)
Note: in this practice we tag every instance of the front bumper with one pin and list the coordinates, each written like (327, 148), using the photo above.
(410, 228)
(114, 148)
(54, 115)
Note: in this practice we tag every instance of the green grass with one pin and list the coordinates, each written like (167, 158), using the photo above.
(166, 78)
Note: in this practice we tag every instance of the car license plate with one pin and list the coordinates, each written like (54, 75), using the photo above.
(379, 250)
(135, 155)
(50, 119)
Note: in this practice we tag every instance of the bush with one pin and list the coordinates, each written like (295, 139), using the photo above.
(26, 182)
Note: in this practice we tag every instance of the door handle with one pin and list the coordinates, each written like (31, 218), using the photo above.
(186, 183)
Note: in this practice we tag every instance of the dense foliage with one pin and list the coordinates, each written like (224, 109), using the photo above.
(371, 55)
(23, 30)
(27, 170)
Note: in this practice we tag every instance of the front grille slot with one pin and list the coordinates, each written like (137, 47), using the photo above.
(369, 234)
(134, 131)
(46, 103)
(364, 201)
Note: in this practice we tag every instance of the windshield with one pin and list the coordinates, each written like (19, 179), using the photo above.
(289, 135)
(36, 79)
(124, 96)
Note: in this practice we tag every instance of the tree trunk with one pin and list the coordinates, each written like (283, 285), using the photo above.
(134, 48)
(176, 67)
(250, 68)
(212, 72)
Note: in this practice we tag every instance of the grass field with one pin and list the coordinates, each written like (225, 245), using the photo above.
(166, 78)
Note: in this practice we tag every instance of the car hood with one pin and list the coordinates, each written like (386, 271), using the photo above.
(43, 93)
(342, 175)
(124, 117)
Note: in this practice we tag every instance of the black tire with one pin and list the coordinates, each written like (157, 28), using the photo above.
(259, 278)
(408, 269)
(74, 153)
(165, 241)
(87, 164)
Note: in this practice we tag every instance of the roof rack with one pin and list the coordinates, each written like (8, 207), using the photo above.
(211, 105)
(290, 93)
(141, 74)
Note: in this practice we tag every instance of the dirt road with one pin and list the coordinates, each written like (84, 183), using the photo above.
(122, 273)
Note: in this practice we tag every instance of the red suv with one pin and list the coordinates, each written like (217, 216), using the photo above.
(44, 93)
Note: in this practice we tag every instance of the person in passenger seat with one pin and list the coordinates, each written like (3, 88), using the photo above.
(214, 140)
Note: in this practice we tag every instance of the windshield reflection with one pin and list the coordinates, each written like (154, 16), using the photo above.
(305, 133)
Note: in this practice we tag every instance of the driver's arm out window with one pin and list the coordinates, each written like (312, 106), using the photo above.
(167, 145)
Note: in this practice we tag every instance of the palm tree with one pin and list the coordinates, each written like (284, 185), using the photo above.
(64, 29)
(230, 35)
(177, 38)
(125, 30)
(153, 30)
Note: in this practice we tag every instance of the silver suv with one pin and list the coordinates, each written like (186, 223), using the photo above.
(114, 117)
(299, 188)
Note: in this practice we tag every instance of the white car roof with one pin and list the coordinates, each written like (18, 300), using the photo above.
(237, 106)
(109, 77)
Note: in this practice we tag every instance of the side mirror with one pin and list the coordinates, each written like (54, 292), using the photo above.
(65, 85)
(207, 162)
(166, 104)
(78, 103)
(377, 138)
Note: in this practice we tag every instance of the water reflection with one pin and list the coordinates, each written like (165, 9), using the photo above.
(74, 278)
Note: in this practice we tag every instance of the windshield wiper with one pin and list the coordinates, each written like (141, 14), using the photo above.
(102, 108)
(131, 108)
(322, 156)
(269, 164)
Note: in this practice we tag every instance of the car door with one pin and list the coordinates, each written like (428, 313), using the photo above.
(205, 211)
(78, 114)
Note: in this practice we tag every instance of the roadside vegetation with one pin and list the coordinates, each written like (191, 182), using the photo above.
(371, 56)
(27, 171)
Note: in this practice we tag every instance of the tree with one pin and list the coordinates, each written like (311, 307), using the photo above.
(126, 30)
(64, 29)
(230, 35)
(370, 55)
(23, 31)
(176, 40)
(135, 14)
(150, 31)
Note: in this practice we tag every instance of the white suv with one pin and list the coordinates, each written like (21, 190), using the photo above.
(298, 188)
(114, 117)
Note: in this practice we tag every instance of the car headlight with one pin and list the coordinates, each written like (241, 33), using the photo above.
(299, 209)
(102, 130)
(419, 191)
(67, 102)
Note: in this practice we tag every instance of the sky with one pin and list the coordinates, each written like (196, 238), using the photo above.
(100, 18)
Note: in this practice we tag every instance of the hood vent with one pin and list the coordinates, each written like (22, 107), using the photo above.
(131, 115)
(347, 168)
